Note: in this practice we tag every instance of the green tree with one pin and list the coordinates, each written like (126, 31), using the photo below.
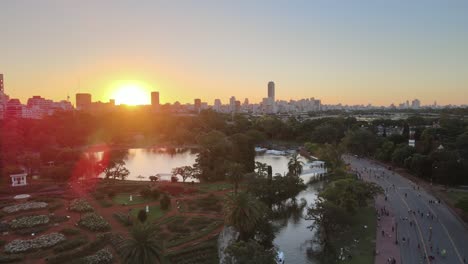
(244, 213)
(331, 154)
(142, 247)
(249, 252)
(360, 142)
(235, 174)
(142, 215)
(295, 165)
(185, 172)
(401, 153)
(165, 202)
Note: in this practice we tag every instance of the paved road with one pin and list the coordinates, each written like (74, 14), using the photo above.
(430, 227)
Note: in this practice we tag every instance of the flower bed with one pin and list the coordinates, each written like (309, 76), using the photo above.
(29, 221)
(102, 256)
(80, 205)
(18, 245)
(24, 206)
(94, 222)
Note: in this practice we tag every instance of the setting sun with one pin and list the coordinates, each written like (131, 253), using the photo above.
(131, 94)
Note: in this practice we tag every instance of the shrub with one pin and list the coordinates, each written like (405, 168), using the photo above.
(24, 206)
(11, 258)
(146, 193)
(165, 202)
(103, 256)
(80, 205)
(4, 227)
(65, 257)
(70, 244)
(123, 219)
(94, 222)
(111, 194)
(29, 221)
(142, 216)
(178, 228)
(155, 194)
(70, 231)
(18, 245)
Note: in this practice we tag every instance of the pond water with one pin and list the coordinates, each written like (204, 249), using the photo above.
(293, 238)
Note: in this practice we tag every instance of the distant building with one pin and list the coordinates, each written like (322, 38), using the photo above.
(217, 105)
(232, 104)
(83, 101)
(271, 90)
(1, 83)
(14, 109)
(415, 104)
(197, 105)
(155, 99)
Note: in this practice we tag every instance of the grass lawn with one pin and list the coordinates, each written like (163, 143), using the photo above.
(217, 186)
(124, 199)
(155, 212)
(459, 199)
(362, 252)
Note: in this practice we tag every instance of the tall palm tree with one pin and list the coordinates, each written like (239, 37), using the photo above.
(295, 165)
(244, 213)
(142, 246)
(235, 174)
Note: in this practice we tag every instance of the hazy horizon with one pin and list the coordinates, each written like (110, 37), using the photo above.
(357, 52)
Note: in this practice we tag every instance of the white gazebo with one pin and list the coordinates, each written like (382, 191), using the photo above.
(18, 179)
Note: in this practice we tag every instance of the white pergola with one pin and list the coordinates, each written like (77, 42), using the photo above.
(18, 179)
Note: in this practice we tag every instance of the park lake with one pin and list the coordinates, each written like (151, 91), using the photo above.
(293, 237)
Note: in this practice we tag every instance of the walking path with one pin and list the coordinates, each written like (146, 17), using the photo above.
(385, 235)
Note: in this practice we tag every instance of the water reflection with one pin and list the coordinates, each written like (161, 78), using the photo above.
(293, 236)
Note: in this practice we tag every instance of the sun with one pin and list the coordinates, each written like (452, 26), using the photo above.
(131, 93)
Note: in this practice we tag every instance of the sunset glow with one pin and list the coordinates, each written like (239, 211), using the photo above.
(131, 93)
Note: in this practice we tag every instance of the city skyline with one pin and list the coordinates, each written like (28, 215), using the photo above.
(349, 53)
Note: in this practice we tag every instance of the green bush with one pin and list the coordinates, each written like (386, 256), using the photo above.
(70, 244)
(165, 202)
(64, 257)
(11, 258)
(123, 219)
(70, 231)
(94, 222)
(146, 193)
(142, 215)
(80, 205)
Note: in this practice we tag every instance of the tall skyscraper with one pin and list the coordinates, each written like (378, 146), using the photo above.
(83, 101)
(1, 83)
(271, 90)
(197, 105)
(217, 105)
(232, 103)
(155, 99)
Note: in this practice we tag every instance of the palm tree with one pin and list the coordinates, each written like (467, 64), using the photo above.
(235, 174)
(141, 247)
(295, 165)
(243, 212)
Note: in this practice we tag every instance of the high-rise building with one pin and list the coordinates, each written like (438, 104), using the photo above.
(197, 105)
(271, 90)
(232, 103)
(155, 99)
(415, 104)
(1, 83)
(217, 105)
(83, 101)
